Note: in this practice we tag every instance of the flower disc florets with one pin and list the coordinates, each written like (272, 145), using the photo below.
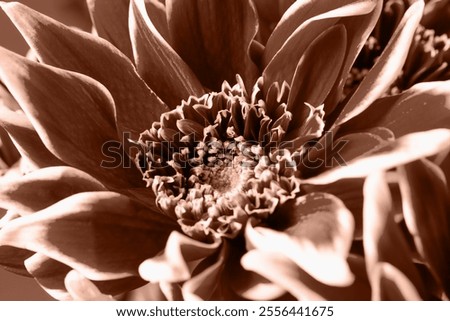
(216, 160)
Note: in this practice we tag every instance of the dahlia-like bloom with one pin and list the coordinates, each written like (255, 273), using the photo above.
(183, 146)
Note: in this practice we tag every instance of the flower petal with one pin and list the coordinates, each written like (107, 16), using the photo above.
(136, 106)
(203, 285)
(111, 22)
(391, 284)
(286, 274)
(50, 275)
(82, 289)
(214, 38)
(388, 66)
(304, 21)
(423, 107)
(44, 187)
(320, 236)
(317, 72)
(158, 64)
(156, 10)
(426, 208)
(26, 139)
(404, 150)
(12, 258)
(103, 235)
(382, 238)
(174, 264)
(74, 118)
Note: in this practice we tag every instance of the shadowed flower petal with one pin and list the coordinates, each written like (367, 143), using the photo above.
(198, 31)
(383, 241)
(55, 44)
(103, 235)
(386, 70)
(304, 21)
(82, 289)
(50, 274)
(426, 207)
(320, 236)
(317, 72)
(44, 187)
(111, 22)
(423, 107)
(175, 264)
(404, 150)
(84, 120)
(390, 284)
(25, 138)
(158, 64)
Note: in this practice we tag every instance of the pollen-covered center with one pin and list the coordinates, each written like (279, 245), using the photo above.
(216, 160)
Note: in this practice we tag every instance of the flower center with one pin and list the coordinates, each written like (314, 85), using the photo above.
(216, 160)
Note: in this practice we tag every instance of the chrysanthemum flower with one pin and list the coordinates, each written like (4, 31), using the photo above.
(183, 147)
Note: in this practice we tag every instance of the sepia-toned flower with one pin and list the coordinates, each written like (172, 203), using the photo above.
(182, 146)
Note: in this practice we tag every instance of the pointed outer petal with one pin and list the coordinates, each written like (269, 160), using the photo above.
(173, 265)
(317, 72)
(215, 45)
(50, 275)
(304, 21)
(9, 154)
(158, 64)
(111, 22)
(44, 187)
(350, 191)
(25, 138)
(348, 147)
(423, 107)
(103, 235)
(136, 106)
(320, 237)
(383, 240)
(387, 67)
(82, 289)
(252, 286)
(426, 208)
(286, 274)
(203, 285)
(74, 119)
(404, 150)
(157, 12)
(12, 258)
(390, 284)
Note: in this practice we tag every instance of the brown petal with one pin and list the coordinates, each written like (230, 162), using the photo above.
(391, 284)
(50, 275)
(156, 10)
(27, 141)
(82, 289)
(382, 238)
(214, 38)
(404, 150)
(388, 65)
(42, 188)
(72, 113)
(305, 21)
(111, 22)
(286, 274)
(203, 285)
(158, 64)
(423, 107)
(317, 72)
(426, 208)
(319, 236)
(174, 264)
(136, 106)
(103, 235)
